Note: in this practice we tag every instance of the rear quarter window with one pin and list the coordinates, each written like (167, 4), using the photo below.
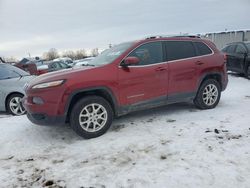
(202, 49)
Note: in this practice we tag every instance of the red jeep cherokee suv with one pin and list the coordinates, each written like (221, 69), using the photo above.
(128, 77)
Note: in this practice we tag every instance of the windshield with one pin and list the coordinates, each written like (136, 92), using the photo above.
(108, 56)
(9, 71)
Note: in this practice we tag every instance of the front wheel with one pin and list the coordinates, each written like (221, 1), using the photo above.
(208, 95)
(14, 105)
(91, 117)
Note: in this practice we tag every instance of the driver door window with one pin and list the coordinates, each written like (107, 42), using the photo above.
(148, 54)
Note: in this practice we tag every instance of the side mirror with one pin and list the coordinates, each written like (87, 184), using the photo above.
(130, 61)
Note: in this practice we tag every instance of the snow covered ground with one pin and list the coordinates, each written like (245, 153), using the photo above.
(172, 146)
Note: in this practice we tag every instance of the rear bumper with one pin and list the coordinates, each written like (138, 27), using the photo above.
(43, 119)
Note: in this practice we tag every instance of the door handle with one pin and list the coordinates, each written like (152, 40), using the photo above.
(199, 63)
(160, 69)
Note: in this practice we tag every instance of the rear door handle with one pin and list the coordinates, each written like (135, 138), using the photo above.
(199, 63)
(160, 69)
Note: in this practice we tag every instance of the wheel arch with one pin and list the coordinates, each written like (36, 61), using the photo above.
(104, 92)
(214, 75)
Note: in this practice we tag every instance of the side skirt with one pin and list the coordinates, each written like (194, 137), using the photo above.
(157, 102)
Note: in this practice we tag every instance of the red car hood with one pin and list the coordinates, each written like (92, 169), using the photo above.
(58, 75)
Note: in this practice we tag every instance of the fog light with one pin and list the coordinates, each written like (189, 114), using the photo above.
(37, 100)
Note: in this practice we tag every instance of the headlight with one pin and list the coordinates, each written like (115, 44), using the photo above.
(48, 84)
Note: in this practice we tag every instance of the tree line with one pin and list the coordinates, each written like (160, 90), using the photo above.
(74, 55)
(53, 54)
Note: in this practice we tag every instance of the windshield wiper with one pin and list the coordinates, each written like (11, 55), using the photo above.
(18, 74)
(88, 65)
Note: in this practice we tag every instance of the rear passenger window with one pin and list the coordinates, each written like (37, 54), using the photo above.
(202, 48)
(150, 53)
(179, 50)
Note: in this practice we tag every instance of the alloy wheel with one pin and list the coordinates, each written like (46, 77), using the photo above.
(210, 94)
(16, 106)
(93, 117)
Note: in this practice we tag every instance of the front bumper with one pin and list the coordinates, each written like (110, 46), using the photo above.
(45, 114)
(43, 119)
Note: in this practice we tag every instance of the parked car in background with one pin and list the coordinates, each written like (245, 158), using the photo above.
(51, 66)
(66, 60)
(238, 57)
(30, 65)
(129, 77)
(12, 81)
(82, 62)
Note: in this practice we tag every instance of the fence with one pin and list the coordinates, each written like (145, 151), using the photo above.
(223, 38)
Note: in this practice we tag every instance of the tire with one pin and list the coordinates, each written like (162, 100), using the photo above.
(88, 123)
(14, 105)
(208, 95)
(248, 72)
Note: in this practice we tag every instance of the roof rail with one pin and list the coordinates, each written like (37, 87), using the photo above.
(153, 37)
(189, 36)
(166, 36)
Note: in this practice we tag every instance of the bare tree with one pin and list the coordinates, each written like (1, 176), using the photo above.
(69, 53)
(80, 54)
(95, 52)
(10, 60)
(51, 54)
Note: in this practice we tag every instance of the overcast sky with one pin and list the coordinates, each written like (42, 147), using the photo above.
(35, 26)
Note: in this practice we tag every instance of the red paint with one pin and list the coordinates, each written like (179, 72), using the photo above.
(128, 85)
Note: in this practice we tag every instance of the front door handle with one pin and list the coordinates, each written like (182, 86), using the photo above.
(199, 63)
(160, 69)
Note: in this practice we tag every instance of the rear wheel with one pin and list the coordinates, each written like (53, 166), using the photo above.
(208, 95)
(91, 117)
(14, 105)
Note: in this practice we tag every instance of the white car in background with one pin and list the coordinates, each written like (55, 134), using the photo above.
(82, 62)
(12, 82)
(66, 60)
